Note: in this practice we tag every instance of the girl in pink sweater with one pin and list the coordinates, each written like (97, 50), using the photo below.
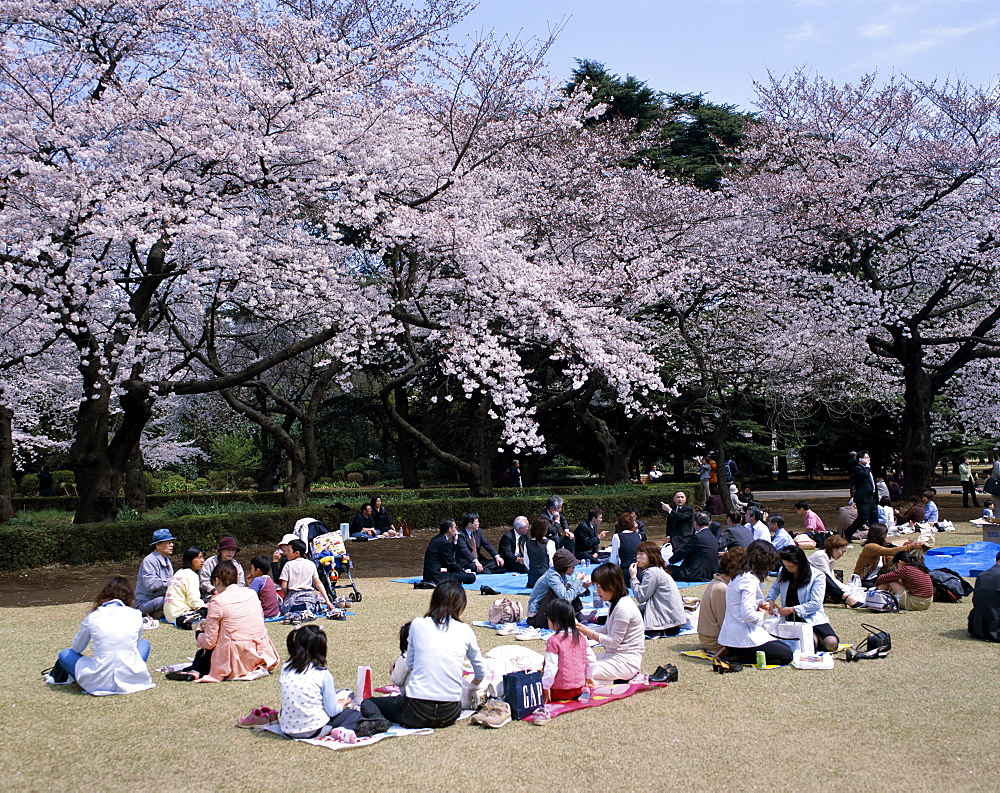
(569, 661)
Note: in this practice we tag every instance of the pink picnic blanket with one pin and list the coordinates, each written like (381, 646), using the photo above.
(601, 695)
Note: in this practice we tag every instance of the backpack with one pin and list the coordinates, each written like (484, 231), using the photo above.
(505, 610)
(949, 586)
(880, 600)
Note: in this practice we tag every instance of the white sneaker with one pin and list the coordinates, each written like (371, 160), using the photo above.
(528, 634)
(507, 629)
(148, 623)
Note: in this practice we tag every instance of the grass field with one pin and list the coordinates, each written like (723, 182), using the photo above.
(925, 718)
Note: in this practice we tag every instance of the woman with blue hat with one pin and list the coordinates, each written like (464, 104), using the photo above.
(155, 573)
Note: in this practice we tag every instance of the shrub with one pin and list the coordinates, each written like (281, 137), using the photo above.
(178, 509)
(372, 476)
(126, 514)
(58, 477)
(355, 478)
(324, 481)
(28, 485)
(339, 475)
(560, 471)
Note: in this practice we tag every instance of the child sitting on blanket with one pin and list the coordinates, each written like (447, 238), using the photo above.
(262, 583)
(569, 661)
(310, 705)
(300, 584)
(399, 672)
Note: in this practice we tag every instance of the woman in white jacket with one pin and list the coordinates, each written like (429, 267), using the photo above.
(623, 636)
(800, 589)
(114, 628)
(742, 634)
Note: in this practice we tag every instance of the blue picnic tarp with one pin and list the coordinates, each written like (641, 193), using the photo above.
(967, 560)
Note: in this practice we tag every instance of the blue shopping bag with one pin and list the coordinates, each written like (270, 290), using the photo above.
(523, 692)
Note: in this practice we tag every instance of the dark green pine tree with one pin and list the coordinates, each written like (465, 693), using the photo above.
(699, 140)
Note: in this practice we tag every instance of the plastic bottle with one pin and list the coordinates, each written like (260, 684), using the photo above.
(761, 659)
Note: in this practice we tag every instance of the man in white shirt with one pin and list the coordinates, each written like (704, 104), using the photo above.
(752, 519)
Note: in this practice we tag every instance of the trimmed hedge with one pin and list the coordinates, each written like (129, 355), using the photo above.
(34, 546)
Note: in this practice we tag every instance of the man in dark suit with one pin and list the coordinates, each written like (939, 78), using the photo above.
(984, 619)
(863, 484)
(736, 535)
(512, 546)
(439, 558)
(559, 531)
(473, 551)
(699, 553)
(588, 535)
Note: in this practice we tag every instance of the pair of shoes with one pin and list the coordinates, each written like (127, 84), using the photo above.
(664, 674)
(366, 728)
(295, 618)
(423, 585)
(337, 614)
(307, 616)
(258, 717)
(507, 629)
(541, 717)
(341, 603)
(148, 623)
(528, 634)
(487, 590)
(724, 667)
(495, 713)
(187, 677)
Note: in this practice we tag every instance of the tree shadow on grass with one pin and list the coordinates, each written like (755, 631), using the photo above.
(957, 633)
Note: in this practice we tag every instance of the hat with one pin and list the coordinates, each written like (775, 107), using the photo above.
(228, 544)
(563, 559)
(288, 538)
(162, 535)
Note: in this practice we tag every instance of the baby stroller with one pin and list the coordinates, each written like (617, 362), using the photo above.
(327, 550)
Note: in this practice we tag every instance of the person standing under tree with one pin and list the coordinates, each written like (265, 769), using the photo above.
(968, 479)
(863, 484)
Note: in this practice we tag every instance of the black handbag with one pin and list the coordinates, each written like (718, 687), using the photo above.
(875, 645)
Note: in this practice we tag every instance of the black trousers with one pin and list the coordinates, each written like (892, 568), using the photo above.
(775, 652)
(413, 713)
(867, 516)
(968, 487)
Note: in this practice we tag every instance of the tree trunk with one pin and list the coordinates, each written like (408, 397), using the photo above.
(678, 457)
(918, 448)
(719, 438)
(481, 449)
(297, 491)
(99, 464)
(135, 481)
(270, 461)
(6, 464)
(405, 448)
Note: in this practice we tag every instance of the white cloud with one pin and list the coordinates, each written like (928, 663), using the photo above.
(935, 37)
(876, 30)
(806, 32)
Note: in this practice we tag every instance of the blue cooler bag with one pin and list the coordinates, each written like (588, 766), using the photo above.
(523, 692)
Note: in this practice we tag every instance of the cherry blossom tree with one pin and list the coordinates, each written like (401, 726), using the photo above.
(165, 163)
(884, 196)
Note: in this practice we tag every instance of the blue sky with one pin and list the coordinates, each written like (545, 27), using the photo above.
(719, 47)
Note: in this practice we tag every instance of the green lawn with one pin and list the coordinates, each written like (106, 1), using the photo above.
(926, 718)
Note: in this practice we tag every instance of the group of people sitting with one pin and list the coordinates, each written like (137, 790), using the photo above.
(233, 643)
